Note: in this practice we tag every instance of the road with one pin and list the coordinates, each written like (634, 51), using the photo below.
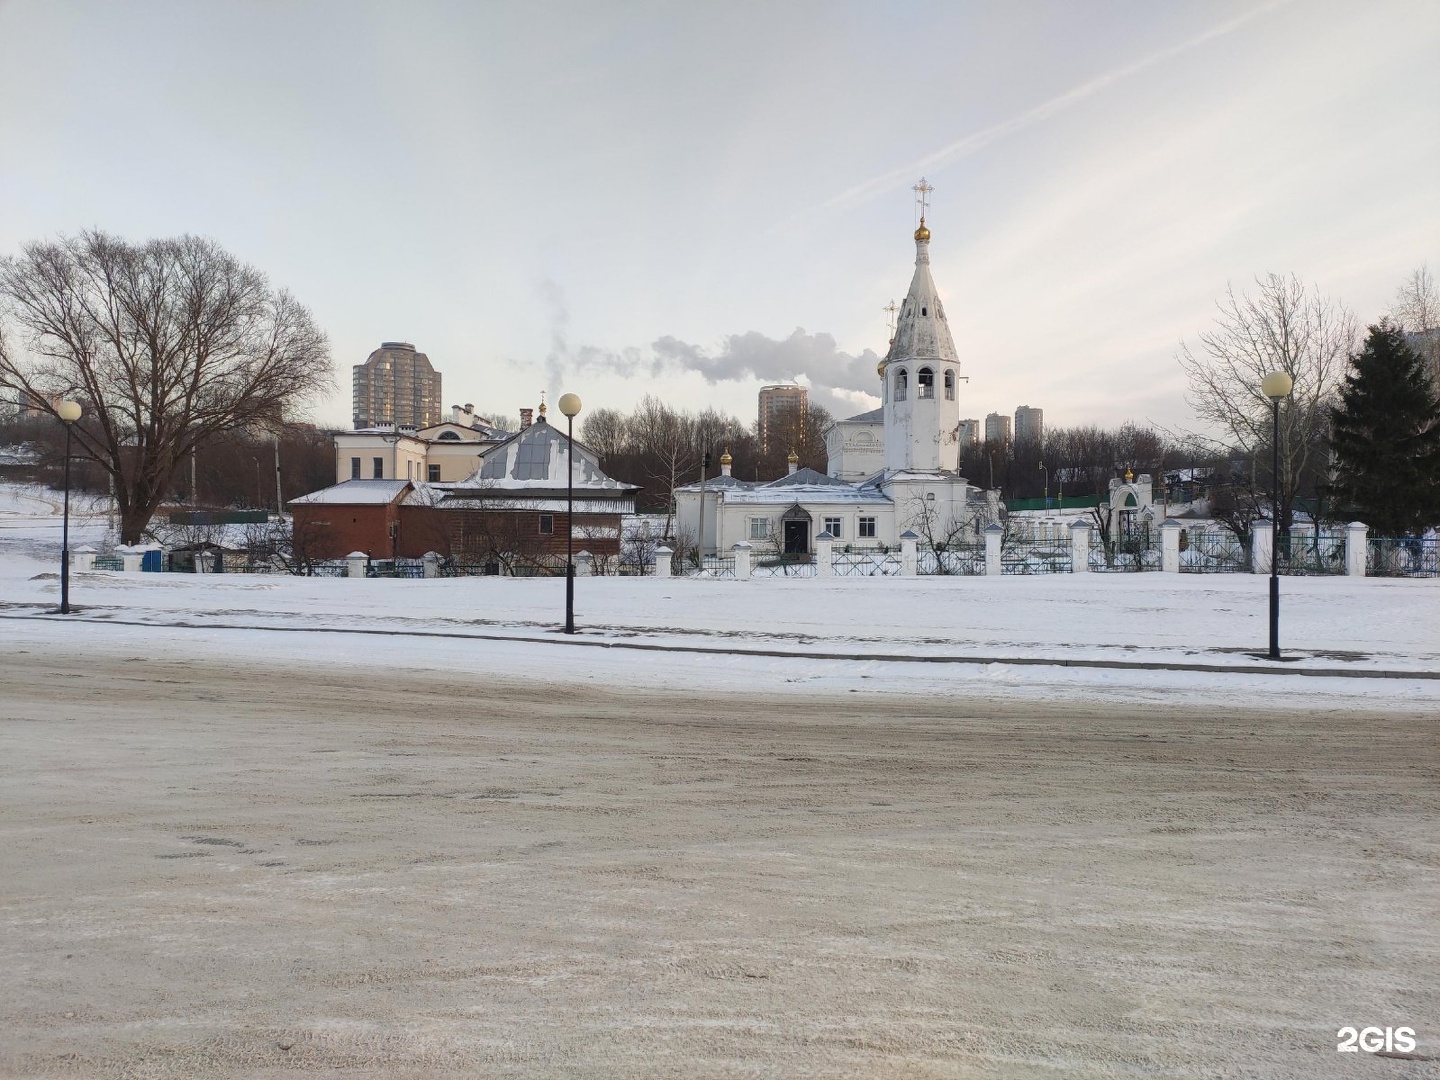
(222, 867)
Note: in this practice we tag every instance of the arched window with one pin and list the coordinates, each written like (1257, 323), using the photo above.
(949, 384)
(923, 312)
(925, 380)
(448, 436)
(901, 384)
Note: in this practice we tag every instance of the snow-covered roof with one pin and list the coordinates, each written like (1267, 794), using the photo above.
(807, 494)
(554, 504)
(874, 416)
(356, 493)
(717, 483)
(538, 457)
(806, 478)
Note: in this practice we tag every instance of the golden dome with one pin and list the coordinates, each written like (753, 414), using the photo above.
(880, 367)
(1129, 475)
(922, 233)
(794, 457)
(725, 458)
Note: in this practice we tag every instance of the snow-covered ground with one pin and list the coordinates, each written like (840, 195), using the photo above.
(869, 625)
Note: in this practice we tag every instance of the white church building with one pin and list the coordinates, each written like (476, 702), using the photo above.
(891, 470)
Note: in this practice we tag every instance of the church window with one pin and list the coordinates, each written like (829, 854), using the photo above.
(923, 312)
(832, 526)
(867, 527)
(925, 380)
(759, 528)
(547, 524)
(949, 385)
(901, 379)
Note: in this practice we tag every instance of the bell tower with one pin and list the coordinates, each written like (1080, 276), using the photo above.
(921, 372)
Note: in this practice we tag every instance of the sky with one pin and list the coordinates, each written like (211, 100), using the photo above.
(693, 200)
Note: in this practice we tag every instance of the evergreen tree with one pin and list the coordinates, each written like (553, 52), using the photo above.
(1386, 437)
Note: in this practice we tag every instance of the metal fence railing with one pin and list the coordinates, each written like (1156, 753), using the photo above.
(1123, 554)
(715, 566)
(783, 566)
(109, 562)
(1035, 555)
(1312, 554)
(875, 562)
(1212, 551)
(1403, 556)
(958, 560)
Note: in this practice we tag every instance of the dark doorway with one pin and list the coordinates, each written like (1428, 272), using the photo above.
(797, 537)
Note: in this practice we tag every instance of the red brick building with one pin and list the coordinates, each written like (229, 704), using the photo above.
(511, 514)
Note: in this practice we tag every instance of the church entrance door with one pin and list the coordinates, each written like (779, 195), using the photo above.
(797, 537)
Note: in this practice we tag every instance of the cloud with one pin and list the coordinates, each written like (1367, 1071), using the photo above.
(841, 382)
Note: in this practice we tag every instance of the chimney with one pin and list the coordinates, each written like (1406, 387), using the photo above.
(794, 462)
(527, 417)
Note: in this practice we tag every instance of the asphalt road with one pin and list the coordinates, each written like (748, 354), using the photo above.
(227, 869)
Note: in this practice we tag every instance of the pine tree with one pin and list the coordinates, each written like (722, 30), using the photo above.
(1385, 437)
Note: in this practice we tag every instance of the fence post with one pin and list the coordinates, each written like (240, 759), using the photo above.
(1080, 546)
(431, 563)
(662, 561)
(825, 555)
(584, 565)
(131, 557)
(994, 534)
(908, 561)
(84, 558)
(1170, 546)
(1261, 551)
(355, 564)
(1357, 539)
(742, 560)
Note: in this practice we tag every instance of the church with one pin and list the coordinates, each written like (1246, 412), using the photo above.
(892, 470)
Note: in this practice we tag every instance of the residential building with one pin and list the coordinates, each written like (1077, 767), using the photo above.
(969, 433)
(997, 428)
(783, 409)
(396, 386)
(1029, 425)
(509, 512)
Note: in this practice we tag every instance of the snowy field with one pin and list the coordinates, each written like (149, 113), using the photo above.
(243, 839)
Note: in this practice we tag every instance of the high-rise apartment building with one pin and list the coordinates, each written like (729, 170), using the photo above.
(396, 385)
(997, 428)
(782, 410)
(969, 432)
(1029, 425)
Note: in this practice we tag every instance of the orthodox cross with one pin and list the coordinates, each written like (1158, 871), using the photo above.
(890, 310)
(922, 196)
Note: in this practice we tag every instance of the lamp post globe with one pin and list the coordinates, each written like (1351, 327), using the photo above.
(68, 412)
(569, 406)
(1275, 386)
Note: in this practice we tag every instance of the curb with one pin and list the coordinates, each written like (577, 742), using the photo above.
(799, 654)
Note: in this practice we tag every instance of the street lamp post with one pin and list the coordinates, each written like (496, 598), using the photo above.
(570, 406)
(1047, 487)
(68, 412)
(1275, 386)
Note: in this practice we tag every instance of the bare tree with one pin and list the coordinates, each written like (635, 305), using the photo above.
(1284, 327)
(165, 344)
(1417, 303)
(1417, 311)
